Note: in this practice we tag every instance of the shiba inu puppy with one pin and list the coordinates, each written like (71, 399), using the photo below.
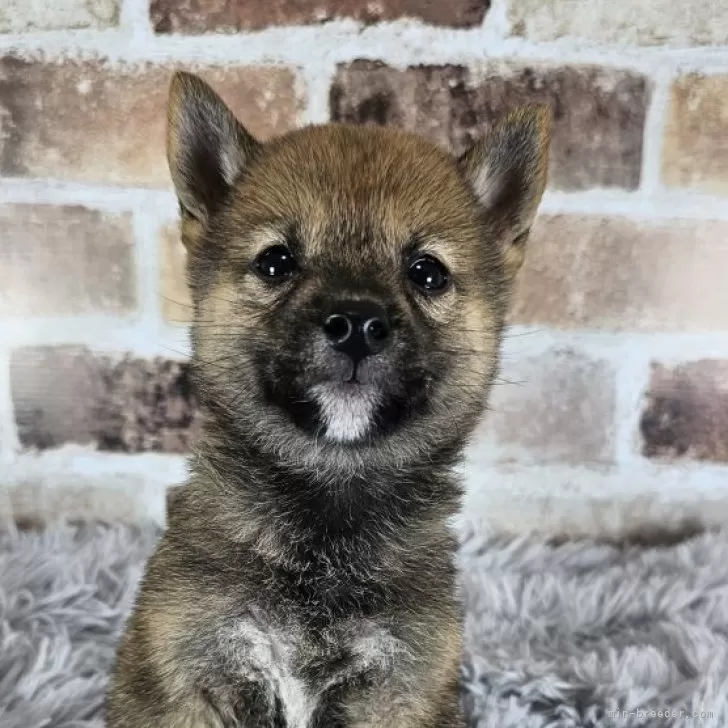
(350, 285)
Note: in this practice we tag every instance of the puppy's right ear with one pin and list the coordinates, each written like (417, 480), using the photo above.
(207, 147)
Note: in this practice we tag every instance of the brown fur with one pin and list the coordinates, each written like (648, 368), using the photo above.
(305, 582)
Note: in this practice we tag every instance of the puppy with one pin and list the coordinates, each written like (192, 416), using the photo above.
(350, 286)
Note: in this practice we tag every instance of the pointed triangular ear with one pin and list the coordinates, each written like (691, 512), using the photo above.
(207, 147)
(507, 172)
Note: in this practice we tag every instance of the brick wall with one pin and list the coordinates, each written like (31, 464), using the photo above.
(612, 405)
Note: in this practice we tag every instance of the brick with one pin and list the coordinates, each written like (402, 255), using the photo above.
(214, 16)
(20, 16)
(599, 114)
(176, 301)
(92, 123)
(695, 150)
(613, 273)
(39, 499)
(648, 22)
(686, 411)
(557, 406)
(57, 261)
(121, 404)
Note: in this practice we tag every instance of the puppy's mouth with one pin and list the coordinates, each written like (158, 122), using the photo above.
(347, 409)
(345, 404)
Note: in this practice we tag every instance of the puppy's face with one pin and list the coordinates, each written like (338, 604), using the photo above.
(350, 283)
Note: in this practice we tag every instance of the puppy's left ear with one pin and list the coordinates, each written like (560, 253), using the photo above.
(507, 171)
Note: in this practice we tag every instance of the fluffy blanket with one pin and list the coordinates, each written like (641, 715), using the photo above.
(578, 634)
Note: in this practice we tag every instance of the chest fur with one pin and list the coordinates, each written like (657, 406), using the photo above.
(294, 669)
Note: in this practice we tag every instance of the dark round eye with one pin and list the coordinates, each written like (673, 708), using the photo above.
(275, 263)
(429, 275)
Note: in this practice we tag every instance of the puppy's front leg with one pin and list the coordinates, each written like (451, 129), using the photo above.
(128, 710)
(249, 709)
(393, 705)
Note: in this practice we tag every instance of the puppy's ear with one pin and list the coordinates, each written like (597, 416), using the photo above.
(207, 147)
(507, 172)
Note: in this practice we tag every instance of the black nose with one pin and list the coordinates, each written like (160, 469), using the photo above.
(357, 328)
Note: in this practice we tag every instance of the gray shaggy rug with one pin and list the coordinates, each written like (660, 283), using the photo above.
(578, 634)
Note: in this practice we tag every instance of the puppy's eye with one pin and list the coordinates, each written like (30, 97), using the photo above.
(275, 263)
(429, 275)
